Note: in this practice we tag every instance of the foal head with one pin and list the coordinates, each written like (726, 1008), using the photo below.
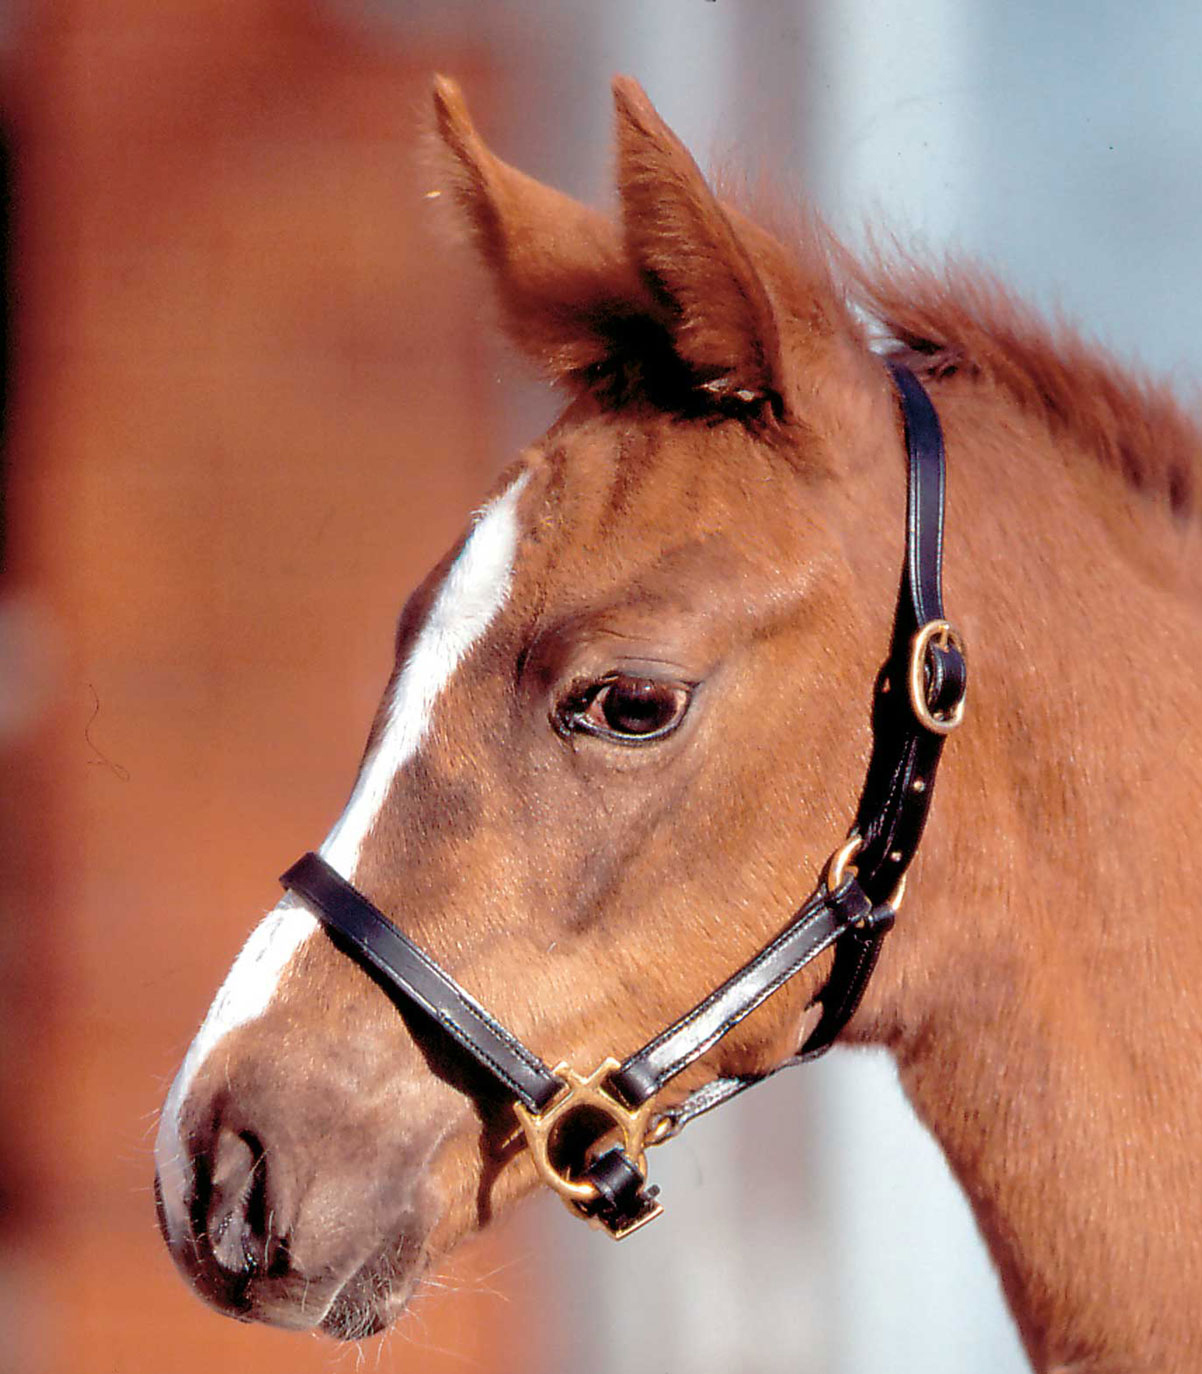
(613, 753)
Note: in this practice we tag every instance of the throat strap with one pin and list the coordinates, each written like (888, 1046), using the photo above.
(920, 688)
(917, 701)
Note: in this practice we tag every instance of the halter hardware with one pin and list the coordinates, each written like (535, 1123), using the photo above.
(939, 718)
(588, 1135)
(581, 1097)
(839, 868)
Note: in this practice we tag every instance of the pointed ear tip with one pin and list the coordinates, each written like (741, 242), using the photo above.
(450, 109)
(446, 89)
(630, 98)
(638, 119)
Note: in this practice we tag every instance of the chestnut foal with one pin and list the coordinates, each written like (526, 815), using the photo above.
(629, 721)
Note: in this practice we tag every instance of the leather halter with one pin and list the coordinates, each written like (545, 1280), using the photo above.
(919, 699)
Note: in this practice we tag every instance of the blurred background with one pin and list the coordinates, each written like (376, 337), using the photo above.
(250, 394)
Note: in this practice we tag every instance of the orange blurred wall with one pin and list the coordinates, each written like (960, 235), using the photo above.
(249, 416)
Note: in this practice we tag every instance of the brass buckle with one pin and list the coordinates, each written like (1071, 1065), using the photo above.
(583, 1094)
(839, 865)
(946, 634)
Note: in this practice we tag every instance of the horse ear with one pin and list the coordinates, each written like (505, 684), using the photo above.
(693, 261)
(561, 270)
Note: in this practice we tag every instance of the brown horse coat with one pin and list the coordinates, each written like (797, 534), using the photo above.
(718, 513)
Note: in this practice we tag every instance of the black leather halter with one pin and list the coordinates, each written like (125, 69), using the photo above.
(919, 699)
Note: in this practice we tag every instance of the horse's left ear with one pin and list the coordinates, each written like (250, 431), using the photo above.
(722, 318)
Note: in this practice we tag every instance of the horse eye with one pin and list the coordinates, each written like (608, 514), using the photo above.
(629, 709)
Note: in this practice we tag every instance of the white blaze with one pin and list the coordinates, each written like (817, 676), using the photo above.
(474, 591)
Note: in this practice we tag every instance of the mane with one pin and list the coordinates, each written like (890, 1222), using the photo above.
(958, 319)
(964, 321)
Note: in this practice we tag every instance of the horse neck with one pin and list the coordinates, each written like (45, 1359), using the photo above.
(1039, 990)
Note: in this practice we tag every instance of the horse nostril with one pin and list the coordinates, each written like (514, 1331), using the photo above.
(239, 1218)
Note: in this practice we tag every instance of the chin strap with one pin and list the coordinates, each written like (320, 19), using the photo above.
(599, 1169)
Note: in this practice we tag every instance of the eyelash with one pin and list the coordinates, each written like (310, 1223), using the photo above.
(597, 708)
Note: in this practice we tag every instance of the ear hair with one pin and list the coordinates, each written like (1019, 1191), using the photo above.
(565, 283)
(696, 266)
(681, 306)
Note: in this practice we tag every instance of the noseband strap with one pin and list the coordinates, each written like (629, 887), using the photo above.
(369, 936)
(919, 699)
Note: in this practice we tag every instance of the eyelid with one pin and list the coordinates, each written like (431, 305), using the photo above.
(570, 715)
(670, 676)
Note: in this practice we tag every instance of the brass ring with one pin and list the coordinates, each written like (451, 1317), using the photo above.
(578, 1092)
(947, 634)
(840, 862)
(839, 865)
(667, 1127)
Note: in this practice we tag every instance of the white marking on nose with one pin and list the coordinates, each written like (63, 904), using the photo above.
(467, 603)
(248, 988)
(474, 591)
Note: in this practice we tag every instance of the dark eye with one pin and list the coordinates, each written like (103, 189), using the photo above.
(632, 710)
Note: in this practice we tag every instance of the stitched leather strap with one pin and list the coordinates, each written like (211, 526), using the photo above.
(893, 809)
(823, 919)
(374, 940)
(900, 781)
